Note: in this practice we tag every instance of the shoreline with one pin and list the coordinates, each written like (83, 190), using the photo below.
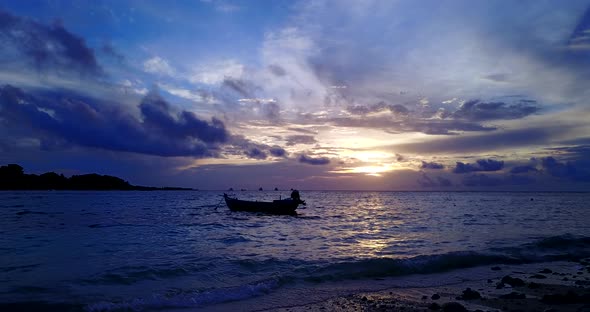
(550, 286)
(537, 287)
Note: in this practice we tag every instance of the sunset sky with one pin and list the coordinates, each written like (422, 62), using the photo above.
(351, 95)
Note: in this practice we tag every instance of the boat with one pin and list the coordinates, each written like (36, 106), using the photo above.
(280, 206)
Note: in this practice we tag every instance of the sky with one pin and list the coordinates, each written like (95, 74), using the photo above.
(314, 95)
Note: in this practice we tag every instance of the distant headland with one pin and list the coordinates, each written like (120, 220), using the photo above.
(12, 177)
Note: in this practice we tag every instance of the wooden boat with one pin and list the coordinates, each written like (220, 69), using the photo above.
(280, 206)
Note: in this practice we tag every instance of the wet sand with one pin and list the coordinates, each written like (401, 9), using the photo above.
(554, 286)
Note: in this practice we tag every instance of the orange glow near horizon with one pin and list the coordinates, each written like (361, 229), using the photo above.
(375, 171)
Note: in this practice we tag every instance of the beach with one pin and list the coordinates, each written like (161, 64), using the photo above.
(552, 286)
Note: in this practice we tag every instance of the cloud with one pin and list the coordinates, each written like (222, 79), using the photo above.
(300, 139)
(573, 170)
(480, 165)
(487, 180)
(397, 109)
(580, 38)
(64, 118)
(426, 181)
(108, 49)
(216, 72)
(530, 167)
(243, 88)
(198, 96)
(497, 77)
(431, 165)
(256, 153)
(277, 151)
(277, 70)
(474, 110)
(271, 110)
(505, 139)
(389, 124)
(48, 48)
(523, 169)
(156, 113)
(158, 65)
(313, 161)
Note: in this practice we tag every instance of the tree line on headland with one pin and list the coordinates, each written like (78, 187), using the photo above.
(12, 177)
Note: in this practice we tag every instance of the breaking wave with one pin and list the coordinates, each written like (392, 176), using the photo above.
(565, 247)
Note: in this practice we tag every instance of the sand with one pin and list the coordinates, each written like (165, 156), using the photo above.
(554, 286)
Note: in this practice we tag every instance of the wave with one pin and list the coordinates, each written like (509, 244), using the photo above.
(132, 274)
(190, 299)
(288, 272)
(557, 248)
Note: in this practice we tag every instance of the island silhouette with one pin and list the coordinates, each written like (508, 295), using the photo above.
(13, 177)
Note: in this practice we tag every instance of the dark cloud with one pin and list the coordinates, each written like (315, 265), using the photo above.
(314, 161)
(426, 181)
(65, 118)
(397, 109)
(488, 142)
(431, 165)
(255, 153)
(358, 109)
(523, 169)
(386, 123)
(108, 49)
(482, 180)
(573, 170)
(480, 165)
(580, 37)
(444, 182)
(277, 70)
(487, 180)
(300, 139)
(497, 77)
(157, 113)
(302, 130)
(277, 151)
(242, 87)
(577, 152)
(46, 47)
(271, 111)
(474, 110)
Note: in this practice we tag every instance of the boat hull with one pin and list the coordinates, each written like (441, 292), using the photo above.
(281, 207)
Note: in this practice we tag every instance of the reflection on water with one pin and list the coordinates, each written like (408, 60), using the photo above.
(108, 245)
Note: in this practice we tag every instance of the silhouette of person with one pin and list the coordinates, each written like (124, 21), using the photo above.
(295, 195)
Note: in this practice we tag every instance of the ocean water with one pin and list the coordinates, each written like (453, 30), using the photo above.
(184, 250)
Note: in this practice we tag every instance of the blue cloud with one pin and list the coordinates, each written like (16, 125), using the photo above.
(480, 165)
(256, 153)
(314, 161)
(431, 165)
(156, 114)
(277, 151)
(300, 139)
(487, 180)
(426, 181)
(573, 170)
(66, 118)
(475, 110)
(523, 169)
(46, 47)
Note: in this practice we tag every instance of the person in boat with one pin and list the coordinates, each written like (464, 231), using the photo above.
(295, 196)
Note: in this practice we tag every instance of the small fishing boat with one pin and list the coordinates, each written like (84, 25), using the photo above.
(280, 206)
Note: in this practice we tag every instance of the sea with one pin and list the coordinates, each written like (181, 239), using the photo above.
(185, 251)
